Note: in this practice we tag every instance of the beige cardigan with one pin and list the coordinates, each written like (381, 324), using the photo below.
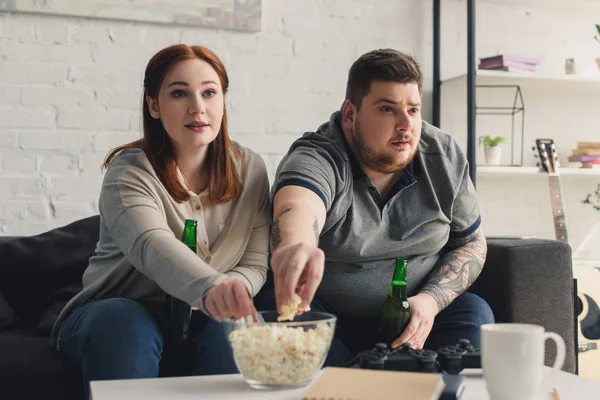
(139, 255)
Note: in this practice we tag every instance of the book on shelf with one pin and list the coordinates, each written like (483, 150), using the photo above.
(586, 152)
(591, 164)
(589, 157)
(501, 58)
(505, 62)
(588, 145)
(585, 159)
(527, 68)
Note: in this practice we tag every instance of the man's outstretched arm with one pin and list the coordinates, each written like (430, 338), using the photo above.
(297, 261)
(298, 216)
(459, 266)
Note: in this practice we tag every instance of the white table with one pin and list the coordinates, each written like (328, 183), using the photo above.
(229, 387)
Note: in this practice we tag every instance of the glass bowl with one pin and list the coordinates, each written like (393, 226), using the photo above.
(278, 355)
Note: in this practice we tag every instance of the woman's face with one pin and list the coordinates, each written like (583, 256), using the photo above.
(190, 105)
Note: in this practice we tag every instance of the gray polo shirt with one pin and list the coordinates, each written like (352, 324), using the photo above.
(363, 235)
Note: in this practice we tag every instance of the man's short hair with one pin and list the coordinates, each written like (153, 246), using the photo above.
(385, 65)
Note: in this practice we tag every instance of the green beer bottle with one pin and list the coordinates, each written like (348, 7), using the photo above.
(396, 310)
(179, 311)
(188, 237)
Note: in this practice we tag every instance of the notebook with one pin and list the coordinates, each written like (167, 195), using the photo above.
(367, 384)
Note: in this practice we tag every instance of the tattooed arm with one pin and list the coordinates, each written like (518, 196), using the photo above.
(457, 269)
(298, 217)
(297, 261)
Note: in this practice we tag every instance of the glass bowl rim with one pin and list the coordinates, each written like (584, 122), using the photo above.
(328, 318)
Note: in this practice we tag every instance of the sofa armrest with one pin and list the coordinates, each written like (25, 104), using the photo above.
(8, 238)
(531, 281)
(34, 268)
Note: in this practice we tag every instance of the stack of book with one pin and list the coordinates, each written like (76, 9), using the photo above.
(587, 153)
(509, 63)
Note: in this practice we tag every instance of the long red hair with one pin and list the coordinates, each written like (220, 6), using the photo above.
(225, 182)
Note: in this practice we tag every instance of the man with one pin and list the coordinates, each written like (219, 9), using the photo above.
(373, 184)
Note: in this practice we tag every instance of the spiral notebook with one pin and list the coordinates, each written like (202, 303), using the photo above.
(366, 384)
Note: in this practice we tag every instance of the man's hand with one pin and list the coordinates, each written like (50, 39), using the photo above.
(229, 299)
(423, 309)
(297, 261)
(297, 268)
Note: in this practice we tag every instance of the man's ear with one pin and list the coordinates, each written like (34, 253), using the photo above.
(348, 115)
(153, 107)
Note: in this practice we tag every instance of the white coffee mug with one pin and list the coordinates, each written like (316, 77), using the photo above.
(512, 358)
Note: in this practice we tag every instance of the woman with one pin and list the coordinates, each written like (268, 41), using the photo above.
(184, 167)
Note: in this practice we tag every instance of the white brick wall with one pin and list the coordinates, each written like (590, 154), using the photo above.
(70, 88)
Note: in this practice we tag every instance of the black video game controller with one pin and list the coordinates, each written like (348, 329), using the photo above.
(449, 359)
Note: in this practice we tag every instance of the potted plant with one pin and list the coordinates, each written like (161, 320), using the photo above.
(598, 40)
(493, 152)
(593, 199)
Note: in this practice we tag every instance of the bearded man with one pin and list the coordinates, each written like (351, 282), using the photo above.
(373, 184)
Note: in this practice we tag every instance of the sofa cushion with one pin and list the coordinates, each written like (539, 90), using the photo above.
(57, 302)
(30, 368)
(34, 268)
(8, 318)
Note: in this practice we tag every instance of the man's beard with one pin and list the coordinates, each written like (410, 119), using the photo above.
(379, 162)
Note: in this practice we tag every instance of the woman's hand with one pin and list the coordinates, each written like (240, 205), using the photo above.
(229, 299)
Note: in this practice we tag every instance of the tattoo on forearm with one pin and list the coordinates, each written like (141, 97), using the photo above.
(457, 269)
(316, 230)
(458, 242)
(276, 232)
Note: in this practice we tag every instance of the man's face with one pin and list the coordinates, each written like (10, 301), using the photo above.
(385, 131)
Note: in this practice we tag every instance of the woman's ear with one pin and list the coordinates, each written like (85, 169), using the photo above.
(153, 107)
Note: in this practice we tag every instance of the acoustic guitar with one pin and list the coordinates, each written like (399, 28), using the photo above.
(588, 278)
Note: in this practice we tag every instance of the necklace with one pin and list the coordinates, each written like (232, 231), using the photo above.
(186, 180)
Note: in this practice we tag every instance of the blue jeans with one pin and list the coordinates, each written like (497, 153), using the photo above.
(460, 320)
(118, 338)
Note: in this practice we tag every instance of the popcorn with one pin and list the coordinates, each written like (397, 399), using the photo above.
(273, 354)
(289, 311)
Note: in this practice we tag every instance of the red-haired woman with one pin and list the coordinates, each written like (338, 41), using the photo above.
(184, 167)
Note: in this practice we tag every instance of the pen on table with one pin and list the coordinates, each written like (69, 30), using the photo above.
(556, 394)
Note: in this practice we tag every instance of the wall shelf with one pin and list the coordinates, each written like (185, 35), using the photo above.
(484, 76)
(508, 170)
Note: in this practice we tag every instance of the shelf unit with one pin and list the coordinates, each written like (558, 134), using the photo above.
(508, 170)
(484, 76)
(474, 76)
(503, 79)
(471, 70)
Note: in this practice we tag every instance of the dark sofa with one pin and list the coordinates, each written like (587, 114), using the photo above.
(523, 281)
